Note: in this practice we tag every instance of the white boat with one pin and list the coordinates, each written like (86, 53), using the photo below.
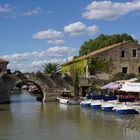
(67, 98)
(96, 104)
(135, 105)
(70, 101)
(125, 109)
(109, 105)
(86, 103)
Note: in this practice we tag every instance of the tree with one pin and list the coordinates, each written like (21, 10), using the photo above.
(98, 65)
(76, 84)
(103, 41)
(50, 68)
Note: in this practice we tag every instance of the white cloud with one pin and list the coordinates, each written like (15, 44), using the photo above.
(79, 28)
(5, 8)
(32, 61)
(56, 42)
(60, 50)
(48, 34)
(33, 12)
(110, 10)
(40, 63)
(53, 36)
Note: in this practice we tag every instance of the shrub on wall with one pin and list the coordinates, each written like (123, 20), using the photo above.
(71, 69)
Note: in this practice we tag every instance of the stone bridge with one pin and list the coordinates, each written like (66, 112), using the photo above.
(50, 86)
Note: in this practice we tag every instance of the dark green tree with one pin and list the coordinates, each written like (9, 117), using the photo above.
(50, 68)
(103, 41)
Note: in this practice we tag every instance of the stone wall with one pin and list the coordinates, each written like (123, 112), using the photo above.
(132, 63)
(3, 67)
(6, 84)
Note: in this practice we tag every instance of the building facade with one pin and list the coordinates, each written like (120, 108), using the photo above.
(124, 56)
(3, 65)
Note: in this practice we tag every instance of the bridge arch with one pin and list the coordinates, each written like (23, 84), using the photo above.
(50, 86)
(37, 84)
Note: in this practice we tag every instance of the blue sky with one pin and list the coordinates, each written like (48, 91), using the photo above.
(34, 32)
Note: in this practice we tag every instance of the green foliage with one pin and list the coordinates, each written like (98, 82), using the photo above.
(123, 76)
(50, 68)
(103, 41)
(99, 65)
(74, 67)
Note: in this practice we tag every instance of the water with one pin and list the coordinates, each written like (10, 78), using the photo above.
(26, 119)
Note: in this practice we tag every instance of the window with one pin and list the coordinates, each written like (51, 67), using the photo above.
(122, 54)
(124, 69)
(92, 71)
(138, 69)
(134, 52)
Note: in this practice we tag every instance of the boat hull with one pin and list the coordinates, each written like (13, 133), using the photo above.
(109, 105)
(68, 101)
(96, 106)
(85, 103)
(127, 111)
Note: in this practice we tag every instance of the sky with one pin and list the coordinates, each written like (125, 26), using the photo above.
(34, 32)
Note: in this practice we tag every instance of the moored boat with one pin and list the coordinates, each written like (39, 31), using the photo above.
(108, 106)
(96, 104)
(67, 98)
(125, 109)
(86, 103)
(109, 102)
(97, 101)
(33, 89)
(135, 105)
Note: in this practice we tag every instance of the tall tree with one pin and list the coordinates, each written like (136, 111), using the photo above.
(103, 41)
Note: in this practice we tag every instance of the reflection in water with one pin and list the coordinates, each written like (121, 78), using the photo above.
(116, 126)
(26, 119)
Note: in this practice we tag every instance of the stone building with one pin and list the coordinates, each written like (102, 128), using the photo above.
(3, 65)
(124, 56)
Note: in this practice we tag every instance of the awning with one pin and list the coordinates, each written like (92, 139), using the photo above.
(130, 87)
(130, 80)
(112, 85)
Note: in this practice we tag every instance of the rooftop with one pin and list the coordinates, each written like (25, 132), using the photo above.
(96, 52)
(3, 61)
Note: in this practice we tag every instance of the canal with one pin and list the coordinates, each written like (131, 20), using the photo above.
(26, 119)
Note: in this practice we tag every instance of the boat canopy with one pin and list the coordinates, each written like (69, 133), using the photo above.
(130, 87)
(112, 85)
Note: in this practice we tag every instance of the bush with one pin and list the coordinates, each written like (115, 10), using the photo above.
(123, 76)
